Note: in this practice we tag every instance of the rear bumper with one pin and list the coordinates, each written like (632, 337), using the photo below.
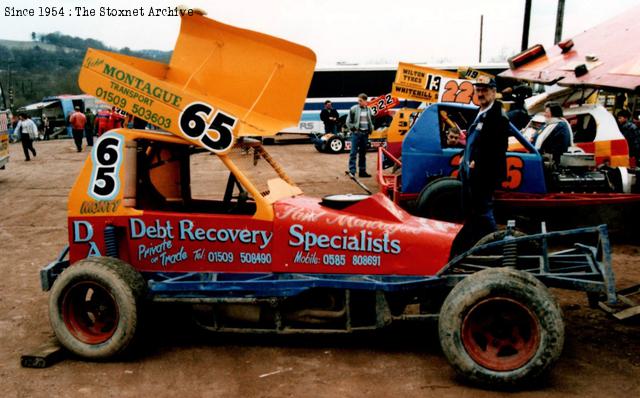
(576, 266)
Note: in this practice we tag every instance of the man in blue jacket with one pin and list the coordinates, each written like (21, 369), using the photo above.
(360, 123)
(483, 166)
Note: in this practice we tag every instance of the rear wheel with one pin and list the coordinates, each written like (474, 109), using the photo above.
(501, 327)
(95, 306)
(441, 200)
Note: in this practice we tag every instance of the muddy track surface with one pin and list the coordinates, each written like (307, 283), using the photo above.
(601, 356)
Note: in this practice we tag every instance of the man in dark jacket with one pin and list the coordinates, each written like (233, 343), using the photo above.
(329, 117)
(88, 127)
(630, 132)
(483, 166)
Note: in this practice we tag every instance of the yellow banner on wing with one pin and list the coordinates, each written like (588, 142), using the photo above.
(465, 72)
(419, 83)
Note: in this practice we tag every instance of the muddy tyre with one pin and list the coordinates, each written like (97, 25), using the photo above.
(95, 307)
(441, 200)
(501, 328)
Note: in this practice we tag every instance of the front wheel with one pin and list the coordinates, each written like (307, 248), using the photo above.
(95, 306)
(501, 327)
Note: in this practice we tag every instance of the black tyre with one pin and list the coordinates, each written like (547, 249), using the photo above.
(95, 307)
(335, 145)
(501, 328)
(441, 200)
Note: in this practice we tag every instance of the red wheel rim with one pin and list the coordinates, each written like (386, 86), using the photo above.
(90, 312)
(500, 334)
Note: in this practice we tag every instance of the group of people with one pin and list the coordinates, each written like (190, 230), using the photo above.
(483, 166)
(90, 124)
(83, 125)
(485, 142)
(556, 137)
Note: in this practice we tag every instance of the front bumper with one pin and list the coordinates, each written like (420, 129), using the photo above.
(50, 273)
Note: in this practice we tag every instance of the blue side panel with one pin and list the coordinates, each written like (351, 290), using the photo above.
(423, 157)
(532, 173)
(422, 154)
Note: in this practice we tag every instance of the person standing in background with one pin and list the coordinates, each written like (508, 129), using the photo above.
(28, 132)
(102, 122)
(78, 121)
(88, 127)
(329, 117)
(360, 123)
(47, 127)
(117, 119)
(630, 133)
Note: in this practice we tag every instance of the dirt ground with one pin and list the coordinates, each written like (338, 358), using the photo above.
(601, 356)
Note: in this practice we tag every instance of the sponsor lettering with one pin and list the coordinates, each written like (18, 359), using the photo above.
(187, 231)
(141, 85)
(360, 242)
(99, 206)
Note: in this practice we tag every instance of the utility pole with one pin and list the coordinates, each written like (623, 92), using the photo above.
(525, 25)
(10, 87)
(559, 21)
(481, 27)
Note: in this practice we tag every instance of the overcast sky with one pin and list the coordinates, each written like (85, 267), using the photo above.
(365, 31)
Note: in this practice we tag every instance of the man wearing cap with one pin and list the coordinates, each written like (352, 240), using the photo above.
(78, 120)
(483, 166)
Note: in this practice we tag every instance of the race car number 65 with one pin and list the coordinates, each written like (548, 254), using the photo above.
(106, 164)
(214, 129)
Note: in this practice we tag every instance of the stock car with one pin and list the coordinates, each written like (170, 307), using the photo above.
(241, 240)
(596, 172)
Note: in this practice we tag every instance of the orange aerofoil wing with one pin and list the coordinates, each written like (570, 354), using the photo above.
(222, 83)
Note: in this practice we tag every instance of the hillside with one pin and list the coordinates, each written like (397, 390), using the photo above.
(49, 65)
